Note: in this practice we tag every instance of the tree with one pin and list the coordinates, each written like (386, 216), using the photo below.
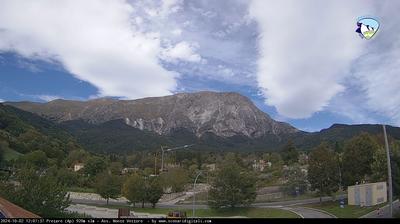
(395, 162)
(289, 153)
(232, 186)
(76, 156)
(154, 190)
(108, 186)
(115, 168)
(37, 159)
(3, 147)
(357, 158)
(323, 171)
(379, 165)
(40, 193)
(176, 179)
(67, 177)
(296, 181)
(134, 189)
(94, 165)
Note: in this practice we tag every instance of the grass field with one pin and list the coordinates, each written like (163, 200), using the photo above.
(10, 154)
(201, 198)
(244, 212)
(81, 189)
(349, 211)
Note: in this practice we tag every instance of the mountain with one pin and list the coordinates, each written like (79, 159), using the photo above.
(23, 132)
(340, 133)
(221, 114)
(212, 121)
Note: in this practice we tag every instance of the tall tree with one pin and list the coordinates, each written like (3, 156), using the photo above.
(108, 186)
(379, 165)
(94, 165)
(154, 190)
(134, 189)
(289, 153)
(357, 158)
(297, 182)
(323, 173)
(115, 168)
(232, 186)
(40, 193)
(3, 147)
(36, 159)
(176, 179)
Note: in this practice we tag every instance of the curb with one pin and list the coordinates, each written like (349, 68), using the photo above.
(322, 211)
(365, 216)
(301, 216)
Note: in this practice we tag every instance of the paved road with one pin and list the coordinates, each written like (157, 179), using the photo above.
(310, 213)
(286, 205)
(98, 212)
(384, 211)
(296, 202)
(161, 205)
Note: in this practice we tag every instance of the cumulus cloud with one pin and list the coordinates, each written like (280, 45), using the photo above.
(182, 51)
(96, 41)
(305, 50)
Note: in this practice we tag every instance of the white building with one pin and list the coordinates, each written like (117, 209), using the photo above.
(367, 194)
(78, 166)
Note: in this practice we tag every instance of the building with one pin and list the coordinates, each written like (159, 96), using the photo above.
(259, 165)
(367, 194)
(10, 210)
(78, 167)
(210, 167)
(127, 170)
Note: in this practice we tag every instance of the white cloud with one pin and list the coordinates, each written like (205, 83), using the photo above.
(350, 105)
(177, 32)
(94, 40)
(182, 51)
(225, 72)
(170, 6)
(1, 100)
(47, 98)
(377, 71)
(306, 48)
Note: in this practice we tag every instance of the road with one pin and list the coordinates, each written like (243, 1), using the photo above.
(309, 213)
(286, 205)
(166, 205)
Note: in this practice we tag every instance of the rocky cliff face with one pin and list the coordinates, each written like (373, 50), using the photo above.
(223, 114)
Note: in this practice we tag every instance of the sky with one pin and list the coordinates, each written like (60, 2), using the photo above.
(301, 62)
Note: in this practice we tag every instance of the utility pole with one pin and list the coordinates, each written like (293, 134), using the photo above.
(389, 173)
(155, 163)
(194, 193)
(162, 159)
(168, 150)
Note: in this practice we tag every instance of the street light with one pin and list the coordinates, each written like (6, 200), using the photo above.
(168, 150)
(194, 193)
(389, 172)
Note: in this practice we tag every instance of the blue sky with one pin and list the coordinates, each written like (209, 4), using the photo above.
(299, 61)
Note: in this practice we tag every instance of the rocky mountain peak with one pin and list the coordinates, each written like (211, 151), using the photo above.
(224, 114)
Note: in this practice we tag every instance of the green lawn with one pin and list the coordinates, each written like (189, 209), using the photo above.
(10, 154)
(201, 198)
(81, 189)
(247, 212)
(349, 211)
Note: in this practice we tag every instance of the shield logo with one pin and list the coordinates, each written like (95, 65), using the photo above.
(367, 27)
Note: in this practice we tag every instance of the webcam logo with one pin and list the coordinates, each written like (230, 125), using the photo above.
(367, 27)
